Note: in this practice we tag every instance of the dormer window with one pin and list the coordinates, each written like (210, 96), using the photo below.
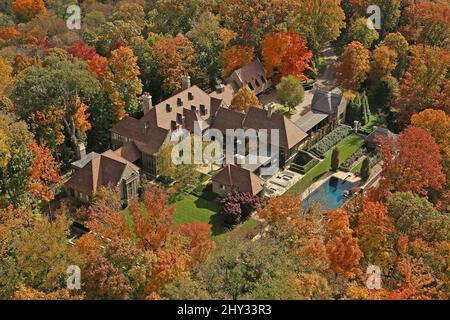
(180, 118)
(257, 83)
(190, 96)
(193, 108)
(203, 110)
(251, 86)
(263, 79)
(173, 125)
(168, 107)
(179, 102)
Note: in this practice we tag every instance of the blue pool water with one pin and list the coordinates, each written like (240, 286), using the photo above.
(330, 194)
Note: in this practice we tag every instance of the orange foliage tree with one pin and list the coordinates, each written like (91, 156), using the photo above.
(196, 239)
(353, 66)
(286, 52)
(235, 57)
(344, 254)
(27, 9)
(43, 173)
(384, 61)
(375, 234)
(244, 99)
(125, 78)
(9, 33)
(81, 117)
(175, 57)
(422, 81)
(152, 222)
(411, 163)
(437, 123)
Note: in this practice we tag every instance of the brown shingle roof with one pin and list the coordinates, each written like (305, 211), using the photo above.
(226, 94)
(289, 134)
(105, 169)
(228, 119)
(240, 179)
(147, 140)
(165, 112)
(129, 151)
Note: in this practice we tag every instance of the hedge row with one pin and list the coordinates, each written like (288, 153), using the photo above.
(305, 168)
(330, 140)
(348, 164)
(204, 191)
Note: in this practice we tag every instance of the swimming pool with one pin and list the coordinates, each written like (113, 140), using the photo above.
(330, 194)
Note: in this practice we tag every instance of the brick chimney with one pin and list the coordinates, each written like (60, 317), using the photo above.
(80, 151)
(148, 105)
(185, 82)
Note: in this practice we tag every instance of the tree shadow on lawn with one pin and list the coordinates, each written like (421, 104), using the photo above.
(216, 220)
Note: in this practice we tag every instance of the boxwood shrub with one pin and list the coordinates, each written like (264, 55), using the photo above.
(330, 140)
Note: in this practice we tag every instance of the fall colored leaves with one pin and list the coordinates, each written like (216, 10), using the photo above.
(139, 255)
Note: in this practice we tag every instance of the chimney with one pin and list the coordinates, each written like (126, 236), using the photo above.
(148, 105)
(329, 100)
(80, 151)
(220, 88)
(270, 109)
(185, 82)
(146, 126)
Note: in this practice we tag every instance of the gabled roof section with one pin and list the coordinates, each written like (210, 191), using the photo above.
(289, 134)
(253, 75)
(327, 101)
(241, 179)
(129, 151)
(84, 161)
(104, 169)
(193, 98)
(147, 139)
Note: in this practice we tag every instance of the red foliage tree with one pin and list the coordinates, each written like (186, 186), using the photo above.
(81, 50)
(197, 241)
(152, 222)
(411, 163)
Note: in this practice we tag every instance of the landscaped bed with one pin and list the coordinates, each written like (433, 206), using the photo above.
(346, 148)
(304, 162)
(330, 140)
(350, 162)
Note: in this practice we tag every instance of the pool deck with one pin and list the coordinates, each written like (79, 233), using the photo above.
(350, 177)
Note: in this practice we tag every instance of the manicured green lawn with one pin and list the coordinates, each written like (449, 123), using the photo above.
(357, 168)
(190, 209)
(346, 148)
